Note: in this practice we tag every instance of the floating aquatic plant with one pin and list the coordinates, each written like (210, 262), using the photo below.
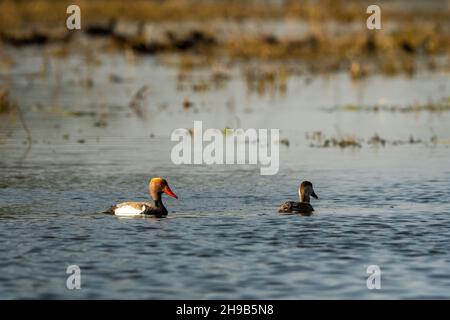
(285, 142)
(320, 140)
(441, 105)
(137, 101)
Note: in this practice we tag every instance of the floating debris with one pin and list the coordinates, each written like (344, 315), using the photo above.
(87, 82)
(442, 105)
(226, 131)
(285, 142)
(79, 113)
(338, 142)
(200, 86)
(138, 100)
(101, 123)
(376, 140)
(220, 76)
(66, 113)
(342, 143)
(319, 140)
(187, 104)
(267, 79)
(115, 78)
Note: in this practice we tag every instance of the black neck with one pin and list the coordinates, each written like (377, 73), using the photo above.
(161, 210)
(159, 203)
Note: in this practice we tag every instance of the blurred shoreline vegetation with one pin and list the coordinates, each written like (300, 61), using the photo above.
(298, 36)
(334, 38)
(268, 41)
(51, 12)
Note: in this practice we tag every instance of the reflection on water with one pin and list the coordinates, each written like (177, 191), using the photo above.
(386, 206)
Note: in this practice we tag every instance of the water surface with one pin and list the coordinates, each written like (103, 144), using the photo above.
(385, 206)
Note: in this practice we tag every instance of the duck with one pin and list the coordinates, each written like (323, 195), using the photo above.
(157, 186)
(305, 191)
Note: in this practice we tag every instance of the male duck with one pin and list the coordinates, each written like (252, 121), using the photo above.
(157, 187)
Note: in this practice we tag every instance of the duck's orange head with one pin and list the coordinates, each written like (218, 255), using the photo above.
(158, 186)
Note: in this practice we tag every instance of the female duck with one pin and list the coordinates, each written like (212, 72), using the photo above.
(157, 187)
(305, 191)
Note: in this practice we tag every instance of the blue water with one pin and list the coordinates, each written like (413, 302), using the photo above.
(223, 237)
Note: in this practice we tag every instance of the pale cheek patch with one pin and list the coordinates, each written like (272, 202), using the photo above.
(128, 211)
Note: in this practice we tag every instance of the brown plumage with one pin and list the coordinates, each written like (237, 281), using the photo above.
(305, 191)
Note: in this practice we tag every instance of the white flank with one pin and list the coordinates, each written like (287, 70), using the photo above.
(128, 211)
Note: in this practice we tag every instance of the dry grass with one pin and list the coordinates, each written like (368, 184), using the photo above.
(15, 13)
(418, 32)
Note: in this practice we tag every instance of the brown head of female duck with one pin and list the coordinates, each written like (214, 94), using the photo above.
(157, 187)
(305, 192)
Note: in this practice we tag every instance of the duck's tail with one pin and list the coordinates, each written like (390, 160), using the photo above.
(110, 210)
